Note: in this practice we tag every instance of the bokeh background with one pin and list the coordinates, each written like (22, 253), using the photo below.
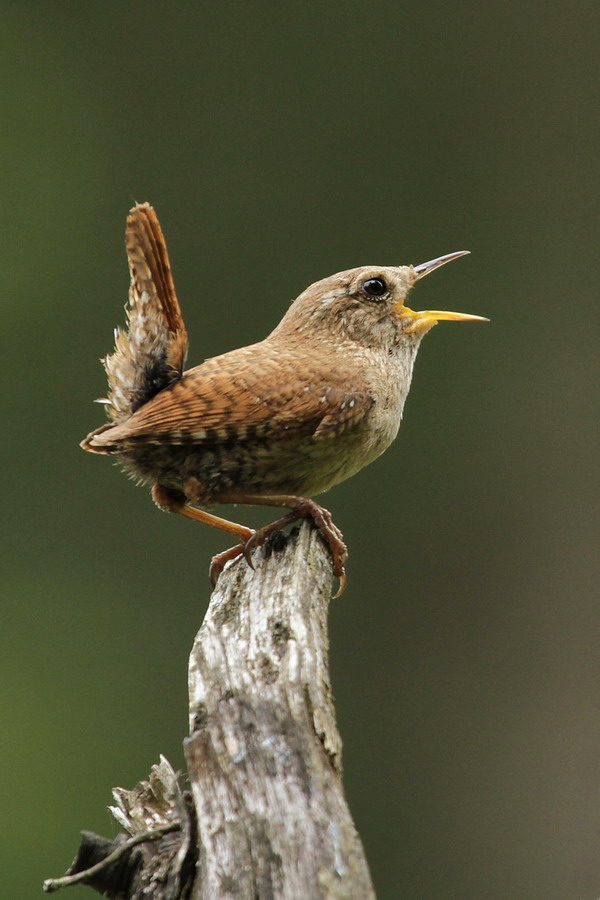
(281, 143)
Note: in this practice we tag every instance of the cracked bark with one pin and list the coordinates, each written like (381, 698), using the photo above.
(264, 756)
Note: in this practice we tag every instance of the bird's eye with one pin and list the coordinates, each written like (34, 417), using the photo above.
(375, 287)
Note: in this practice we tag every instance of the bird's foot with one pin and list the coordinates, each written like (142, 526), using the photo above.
(333, 537)
(303, 508)
(331, 534)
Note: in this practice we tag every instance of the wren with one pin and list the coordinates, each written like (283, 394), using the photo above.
(273, 423)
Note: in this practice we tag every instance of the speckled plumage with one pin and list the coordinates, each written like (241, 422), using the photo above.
(283, 419)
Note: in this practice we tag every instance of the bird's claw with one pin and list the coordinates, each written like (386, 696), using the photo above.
(342, 586)
(339, 553)
(251, 544)
(327, 529)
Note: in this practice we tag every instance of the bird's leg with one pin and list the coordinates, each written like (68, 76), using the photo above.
(300, 508)
(175, 501)
(172, 500)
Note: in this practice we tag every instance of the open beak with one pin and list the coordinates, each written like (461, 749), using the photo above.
(425, 268)
(427, 318)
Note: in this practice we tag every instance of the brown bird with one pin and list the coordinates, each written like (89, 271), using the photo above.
(270, 424)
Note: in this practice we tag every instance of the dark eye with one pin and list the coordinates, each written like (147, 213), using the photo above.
(375, 287)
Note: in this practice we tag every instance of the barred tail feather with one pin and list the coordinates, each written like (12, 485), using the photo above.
(151, 353)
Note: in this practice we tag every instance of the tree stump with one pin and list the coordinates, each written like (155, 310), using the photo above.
(269, 820)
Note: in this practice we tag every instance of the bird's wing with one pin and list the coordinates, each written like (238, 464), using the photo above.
(151, 353)
(252, 393)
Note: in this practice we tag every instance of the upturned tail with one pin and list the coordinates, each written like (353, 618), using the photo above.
(151, 353)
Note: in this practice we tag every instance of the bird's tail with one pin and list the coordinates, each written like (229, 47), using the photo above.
(150, 354)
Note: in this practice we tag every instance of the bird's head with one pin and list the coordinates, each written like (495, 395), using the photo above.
(368, 305)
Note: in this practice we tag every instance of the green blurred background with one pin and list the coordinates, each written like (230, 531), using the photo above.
(281, 143)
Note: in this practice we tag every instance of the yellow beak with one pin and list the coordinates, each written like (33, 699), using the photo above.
(427, 318)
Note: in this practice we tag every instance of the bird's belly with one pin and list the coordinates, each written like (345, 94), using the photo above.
(301, 467)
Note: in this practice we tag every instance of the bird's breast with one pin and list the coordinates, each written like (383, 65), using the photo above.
(331, 461)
